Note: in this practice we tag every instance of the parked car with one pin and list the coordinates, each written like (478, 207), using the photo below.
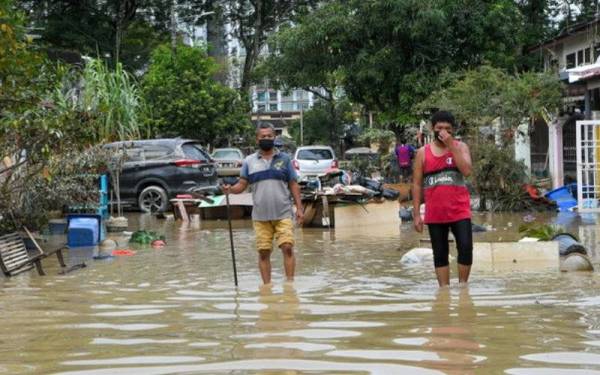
(358, 154)
(229, 161)
(312, 161)
(155, 171)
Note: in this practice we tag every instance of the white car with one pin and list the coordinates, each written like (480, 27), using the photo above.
(310, 161)
(229, 161)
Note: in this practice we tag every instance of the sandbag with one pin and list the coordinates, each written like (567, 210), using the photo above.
(576, 262)
(568, 244)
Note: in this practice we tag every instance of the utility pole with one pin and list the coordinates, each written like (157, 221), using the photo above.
(301, 125)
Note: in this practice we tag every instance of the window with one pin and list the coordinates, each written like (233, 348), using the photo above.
(261, 108)
(302, 105)
(194, 151)
(301, 95)
(134, 154)
(227, 155)
(287, 106)
(152, 152)
(261, 96)
(579, 57)
(587, 57)
(273, 107)
(570, 60)
(315, 154)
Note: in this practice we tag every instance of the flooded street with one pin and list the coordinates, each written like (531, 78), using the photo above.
(353, 309)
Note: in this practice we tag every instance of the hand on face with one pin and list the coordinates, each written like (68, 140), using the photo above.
(445, 137)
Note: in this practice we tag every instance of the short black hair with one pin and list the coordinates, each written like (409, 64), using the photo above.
(443, 116)
(265, 125)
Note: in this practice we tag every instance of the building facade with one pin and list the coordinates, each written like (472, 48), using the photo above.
(574, 55)
(277, 107)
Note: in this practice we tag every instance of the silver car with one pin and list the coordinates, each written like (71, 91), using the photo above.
(312, 161)
(229, 161)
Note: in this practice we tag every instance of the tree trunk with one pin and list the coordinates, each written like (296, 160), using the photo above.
(334, 121)
(256, 44)
(248, 66)
(173, 25)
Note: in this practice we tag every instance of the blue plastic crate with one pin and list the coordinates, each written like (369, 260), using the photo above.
(83, 230)
(563, 197)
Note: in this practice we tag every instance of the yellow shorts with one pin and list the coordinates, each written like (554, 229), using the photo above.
(282, 230)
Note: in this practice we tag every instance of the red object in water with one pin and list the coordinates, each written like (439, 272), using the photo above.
(123, 252)
(533, 192)
(158, 243)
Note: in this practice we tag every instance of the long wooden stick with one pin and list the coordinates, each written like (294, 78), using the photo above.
(231, 239)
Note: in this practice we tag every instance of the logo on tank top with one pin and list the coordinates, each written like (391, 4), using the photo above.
(449, 160)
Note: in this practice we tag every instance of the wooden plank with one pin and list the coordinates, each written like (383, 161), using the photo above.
(37, 246)
(8, 250)
(22, 269)
(16, 263)
(11, 238)
(14, 254)
(11, 253)
(13, 249)
(10, 244)
(182, 211)
(12, 266)
(309, 213)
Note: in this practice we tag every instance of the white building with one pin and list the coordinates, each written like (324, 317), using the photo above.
(268, 105)
(573, 55)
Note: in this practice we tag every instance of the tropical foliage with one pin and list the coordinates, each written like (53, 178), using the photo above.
(479, 96)
(109, 101)
(323, 123)
(185, 100)
(388, 55)
(543, 232)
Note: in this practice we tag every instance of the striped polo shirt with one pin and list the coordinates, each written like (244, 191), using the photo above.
(269, 182)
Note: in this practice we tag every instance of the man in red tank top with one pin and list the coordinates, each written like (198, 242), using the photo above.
(439, 180)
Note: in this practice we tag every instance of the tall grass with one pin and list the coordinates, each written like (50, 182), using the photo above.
(110, 102)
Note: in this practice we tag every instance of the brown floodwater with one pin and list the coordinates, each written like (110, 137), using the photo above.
(353, 309)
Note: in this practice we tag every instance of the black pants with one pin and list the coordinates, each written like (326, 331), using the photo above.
(463, 235)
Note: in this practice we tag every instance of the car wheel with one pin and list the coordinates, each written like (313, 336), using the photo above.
(153, 199)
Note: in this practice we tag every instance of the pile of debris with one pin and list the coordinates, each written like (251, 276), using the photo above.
(337, 182)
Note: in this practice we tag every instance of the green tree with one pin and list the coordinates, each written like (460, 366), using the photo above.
(388, 54)
(254, 21)
(116, 30)
(319, 121)
(484, 94)
(186, 101)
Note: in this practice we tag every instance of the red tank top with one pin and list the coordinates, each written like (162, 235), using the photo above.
(446, 195)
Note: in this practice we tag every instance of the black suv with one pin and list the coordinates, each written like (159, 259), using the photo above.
(156, 170)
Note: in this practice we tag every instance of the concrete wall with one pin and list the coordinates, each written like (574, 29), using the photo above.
(515, 256)
(523, 146)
